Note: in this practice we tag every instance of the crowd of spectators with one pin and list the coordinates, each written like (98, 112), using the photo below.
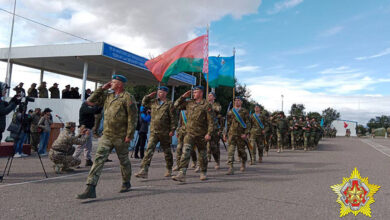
(43, 92)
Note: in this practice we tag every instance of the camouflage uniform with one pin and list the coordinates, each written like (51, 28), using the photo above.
(180, 133)
(163, 121)
(282, 126)
(257, 136)
(313, 134)
(120, 118)
(43, 93)
(235, 130)
(32, 92)
(54, 92)
(199, 123)
(293, 133)
(62, 150)
(213, 144)
(306, 135)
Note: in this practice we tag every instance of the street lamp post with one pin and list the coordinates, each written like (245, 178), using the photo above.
(282, 101)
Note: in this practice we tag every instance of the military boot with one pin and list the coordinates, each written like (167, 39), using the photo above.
(67, 169)
(278, 151)
(193, 166)
(142, 174)
(217, 166)
(281, 149)
(125, 187)
(203, 176)
(175, 168)
(179, 177)
(260, 160)
(266, 153)
(230, 171)
(168, 173)
(89, 193)
(197, 169)
(242, 169)
(57, 168)
(88, 163)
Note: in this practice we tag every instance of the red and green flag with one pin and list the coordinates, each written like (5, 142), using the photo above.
(191, 56)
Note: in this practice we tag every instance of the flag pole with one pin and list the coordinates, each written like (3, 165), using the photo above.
(234, 88)
(207, 54)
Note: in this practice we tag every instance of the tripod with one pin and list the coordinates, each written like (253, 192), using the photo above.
(11, 156)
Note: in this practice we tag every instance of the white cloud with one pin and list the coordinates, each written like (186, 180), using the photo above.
(249, 68)
(339, 70)
(312, 66)
(137, 26)
(332, 31)
(380, 54)
(284, 5)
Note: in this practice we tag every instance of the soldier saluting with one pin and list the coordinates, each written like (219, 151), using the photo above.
(200, 126)
(238, 130)
(120, 117)
(162, 128)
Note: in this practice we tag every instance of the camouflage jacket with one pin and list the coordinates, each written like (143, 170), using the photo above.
(307, 126)
(120, 113)
(32, 92)
(200, 117)
(181, 129)
(255, 126)
(234, 127)
(43, 93)
(217, 116)
(54, 93)
(282, 124)
(163, 117)
(34, 122)
(65, 141)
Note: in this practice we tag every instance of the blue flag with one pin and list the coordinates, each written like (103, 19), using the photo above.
(221, 71)
(322, 122)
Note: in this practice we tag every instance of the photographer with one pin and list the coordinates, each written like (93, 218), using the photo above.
(44, 124)
(5, 107)
(144, 121)
(62, 149)
(18, 129)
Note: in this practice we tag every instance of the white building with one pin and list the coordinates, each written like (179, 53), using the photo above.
(342, 126)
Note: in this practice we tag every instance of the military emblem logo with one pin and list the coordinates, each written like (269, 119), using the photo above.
(355, 194)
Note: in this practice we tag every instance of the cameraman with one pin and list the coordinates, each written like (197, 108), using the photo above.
(5, 107)
(144, 120)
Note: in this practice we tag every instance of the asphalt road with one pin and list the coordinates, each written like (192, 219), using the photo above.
(290, 185)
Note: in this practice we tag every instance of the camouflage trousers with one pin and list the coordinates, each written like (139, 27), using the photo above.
(165, 144)
(35, 138)
(189, 142)
(213, 148)
(239, 143)
(105, 146)
(179, 151)
(281, 138)
(313, 139)
(306, 140)
(293, 139)
(257, 142)
(64, 160)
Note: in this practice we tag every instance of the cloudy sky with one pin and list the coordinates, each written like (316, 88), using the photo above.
(332, 53)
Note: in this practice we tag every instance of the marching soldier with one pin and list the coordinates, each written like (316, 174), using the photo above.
(257, 134)
(213, 144)
(306, 135)
(282, 126)
(238, 130)
(200, 126)
(180, 133)
(62, 150)
(162, 128)
(120, 119)
(293, 132)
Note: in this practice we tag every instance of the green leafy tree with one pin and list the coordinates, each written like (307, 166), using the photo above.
(361, 130)
(315, 115)
(297, 109)
(329, 116)
(379, 122)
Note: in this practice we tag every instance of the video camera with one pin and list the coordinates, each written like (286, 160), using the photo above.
(24, 100)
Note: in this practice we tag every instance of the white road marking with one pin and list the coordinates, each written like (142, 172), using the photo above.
(384, 150)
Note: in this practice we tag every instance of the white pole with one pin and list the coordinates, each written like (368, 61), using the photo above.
(85, 73)
(96, 85)
(282, 101)
(41, 76)
(9, 67)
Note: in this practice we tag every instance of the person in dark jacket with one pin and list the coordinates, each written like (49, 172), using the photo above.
(5, 107)
(87, 121)
(144, 120)
(66, 94)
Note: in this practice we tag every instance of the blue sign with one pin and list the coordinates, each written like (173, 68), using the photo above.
(138, 61)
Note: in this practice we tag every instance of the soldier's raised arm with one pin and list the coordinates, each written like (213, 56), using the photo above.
(147, 100)
(98, 97)
(180, 103)
(132, 115)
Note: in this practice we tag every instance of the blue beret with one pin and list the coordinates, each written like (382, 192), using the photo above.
(213, 93)
(198, 88)
(238, 97)
(120, 78)
(163, 88)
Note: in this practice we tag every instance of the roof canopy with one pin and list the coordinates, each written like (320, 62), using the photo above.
(103, 59)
